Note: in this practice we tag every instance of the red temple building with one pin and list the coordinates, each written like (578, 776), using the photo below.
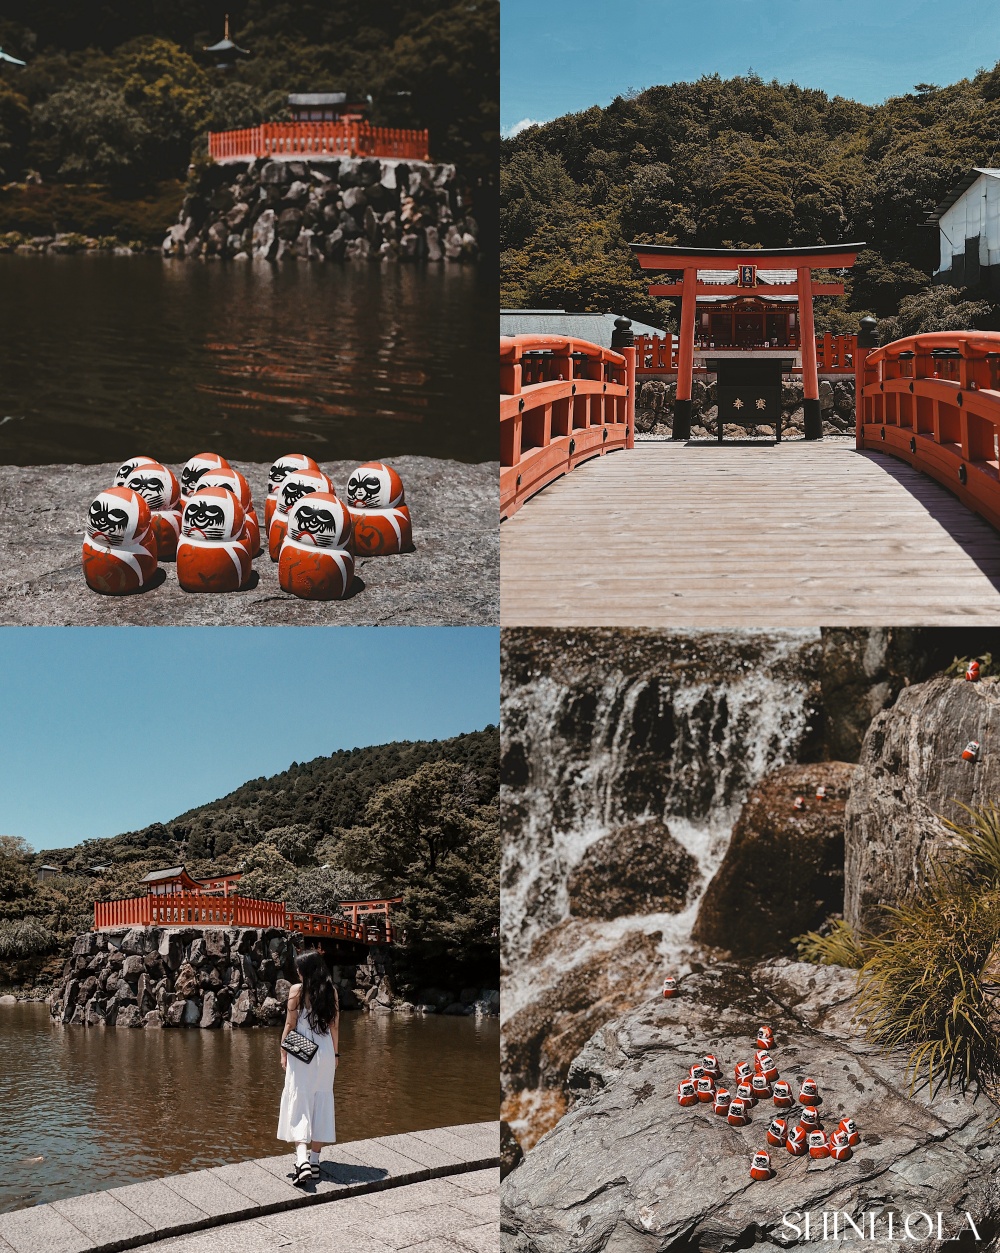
(746, 316)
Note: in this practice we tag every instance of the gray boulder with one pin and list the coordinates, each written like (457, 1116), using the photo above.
(265, 236)
(210, 1015)
(128, 1016)
(133, 967)
(191, 1014)
(275, 173)
(628, 1169)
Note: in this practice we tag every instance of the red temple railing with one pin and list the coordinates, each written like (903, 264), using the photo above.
(317, 139)
(657, 354)
(934, 401)
(195, 909)
(562, 401)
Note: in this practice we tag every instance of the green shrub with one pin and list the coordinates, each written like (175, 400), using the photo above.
(24, 937)
(833, 945)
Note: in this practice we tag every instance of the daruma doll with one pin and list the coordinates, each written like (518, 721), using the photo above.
(133, 463)
(236, 483)
(119, 547)
(280, 471)
(381, 518)
(296, 485)
(200, 465)
(316, 561)
(212, 555)
(160, 490)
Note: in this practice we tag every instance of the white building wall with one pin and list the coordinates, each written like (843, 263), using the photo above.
(976, 212)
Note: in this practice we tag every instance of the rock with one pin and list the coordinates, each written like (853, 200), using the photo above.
(510, 1151)
(171, 950)
(196, 956)
(353, 198)
(216, 944)
(186, 983)
(437, 997)
(133, 967)
(434, 251)
(210, 1016)
(783, 872)
(241, 1012)
(134, 941)
(85, 945)
(425, 1009)
(237, 216)
(7, 999)
(629, 1169)
(175, 1013)
(153, 1020)
(191, 1013)
(274, 174)
(297, 194)
(638, 868)
(456, 1009)
(271, 1010)
(405, 1007)
(265, 236)
(128, 1016)
(289, 224)
(469, 996)
(281, 989)
(910, 776)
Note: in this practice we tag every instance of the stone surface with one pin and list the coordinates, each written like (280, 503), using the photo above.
(451, 577)
(638, 868)
(910, 776)
(629, 1169)
(783, 872)
(655, 407)
(102, 1218)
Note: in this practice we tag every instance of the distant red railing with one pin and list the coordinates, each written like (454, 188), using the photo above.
(317, 139)
(195, 909)
(934, 401)
(562, 401)
(657, 354)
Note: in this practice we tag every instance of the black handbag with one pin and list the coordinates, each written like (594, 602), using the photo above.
(299, 1046)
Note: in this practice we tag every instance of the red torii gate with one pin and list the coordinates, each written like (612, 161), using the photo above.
(688, 261)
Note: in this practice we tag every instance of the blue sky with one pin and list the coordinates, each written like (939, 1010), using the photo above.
(561, 56)
(104, 730)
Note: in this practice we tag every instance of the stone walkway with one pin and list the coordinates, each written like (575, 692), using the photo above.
(428, 1190)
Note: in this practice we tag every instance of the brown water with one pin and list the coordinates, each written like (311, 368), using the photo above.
(105, 1107)
(104, 357)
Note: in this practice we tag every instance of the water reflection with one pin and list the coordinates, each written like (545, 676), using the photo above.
(103, 356)
(105, 1107)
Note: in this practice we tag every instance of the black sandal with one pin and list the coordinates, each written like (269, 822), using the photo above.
(303, 1175)
(314, 1167)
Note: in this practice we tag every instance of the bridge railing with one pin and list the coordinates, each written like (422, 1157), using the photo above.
(934, 401)
(657, 354)
(562, 401)
(318, 139)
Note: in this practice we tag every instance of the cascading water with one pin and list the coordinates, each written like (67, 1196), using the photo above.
(601, 729)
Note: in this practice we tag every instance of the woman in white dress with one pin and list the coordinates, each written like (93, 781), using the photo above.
(306, 1118)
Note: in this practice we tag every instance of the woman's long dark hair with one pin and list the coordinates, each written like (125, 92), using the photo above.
(319, 990)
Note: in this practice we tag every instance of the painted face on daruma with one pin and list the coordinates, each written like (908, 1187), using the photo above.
(213, 514)
(285, 466)
(374, 486)
(197, 467)
(231, 480)
(301, 483)
(321, 519)
(156, 484)
(133, 463)
(117, 517)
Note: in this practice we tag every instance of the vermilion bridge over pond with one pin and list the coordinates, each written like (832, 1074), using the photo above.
(175, 899)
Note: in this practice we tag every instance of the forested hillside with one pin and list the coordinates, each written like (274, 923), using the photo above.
(740, 161)
(413, 819)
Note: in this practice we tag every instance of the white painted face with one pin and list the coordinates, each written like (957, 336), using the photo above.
(155, 484)
(116, 518)
(213, 514)
(133, 463)
(320, 519)
(761, 1161)
(374, 486)
(231, 480)
(816, 1138)
(197, 468)
(285, 466)
(298, 484)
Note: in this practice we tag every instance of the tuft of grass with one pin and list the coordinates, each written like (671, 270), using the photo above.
(24, 937)
(977, 843)
(835, 944)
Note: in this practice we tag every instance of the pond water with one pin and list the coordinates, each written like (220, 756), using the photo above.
(103, 357)
(101, 1107)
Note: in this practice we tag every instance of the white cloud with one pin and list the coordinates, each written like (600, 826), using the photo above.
(525, 124)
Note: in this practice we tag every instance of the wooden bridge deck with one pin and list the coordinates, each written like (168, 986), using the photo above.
(798, 534)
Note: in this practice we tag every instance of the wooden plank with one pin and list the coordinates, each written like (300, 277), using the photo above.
(798, 534)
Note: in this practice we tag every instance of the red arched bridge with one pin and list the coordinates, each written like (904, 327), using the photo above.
(815, 532)
(175, 899)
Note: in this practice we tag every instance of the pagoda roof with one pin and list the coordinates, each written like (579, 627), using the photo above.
(173, 872)
(226, 45)
(673, 256)
(316, 98)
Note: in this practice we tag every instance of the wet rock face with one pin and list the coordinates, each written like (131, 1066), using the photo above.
(911, 775)
(783, 872)
(629, 1169)
(636, 869)
(655, 399)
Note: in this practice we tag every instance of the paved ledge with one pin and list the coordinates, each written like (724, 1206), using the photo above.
(383, 1171)
(452, 578)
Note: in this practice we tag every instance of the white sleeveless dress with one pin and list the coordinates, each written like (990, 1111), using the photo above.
(307, 1098)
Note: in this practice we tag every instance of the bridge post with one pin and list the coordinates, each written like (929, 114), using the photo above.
(623, 341)
(813, 421)
(685, 354)
(866, 343)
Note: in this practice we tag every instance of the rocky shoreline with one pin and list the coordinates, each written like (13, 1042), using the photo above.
(156, 977)
(654, 408)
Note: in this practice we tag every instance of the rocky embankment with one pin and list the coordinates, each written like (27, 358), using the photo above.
(655, 408)
(351, 209)
(628, 1169)
(182, 977)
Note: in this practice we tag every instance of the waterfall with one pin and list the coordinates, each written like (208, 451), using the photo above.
(601, 728)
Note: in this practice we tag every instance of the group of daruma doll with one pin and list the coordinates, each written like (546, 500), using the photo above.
(760, 1082)
(207, 523)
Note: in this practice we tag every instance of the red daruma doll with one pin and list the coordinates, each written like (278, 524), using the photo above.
(201, 464)
(722, 1102)
(280, 471)
(160, 490)
(669, 987)
(686, 1094)
(760, 1166)
(211, 553)
(777, 1132)
(381, 518)
(119, 548)
(796, 1142)
(237, 484)
(316, 561)
(296, 485)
